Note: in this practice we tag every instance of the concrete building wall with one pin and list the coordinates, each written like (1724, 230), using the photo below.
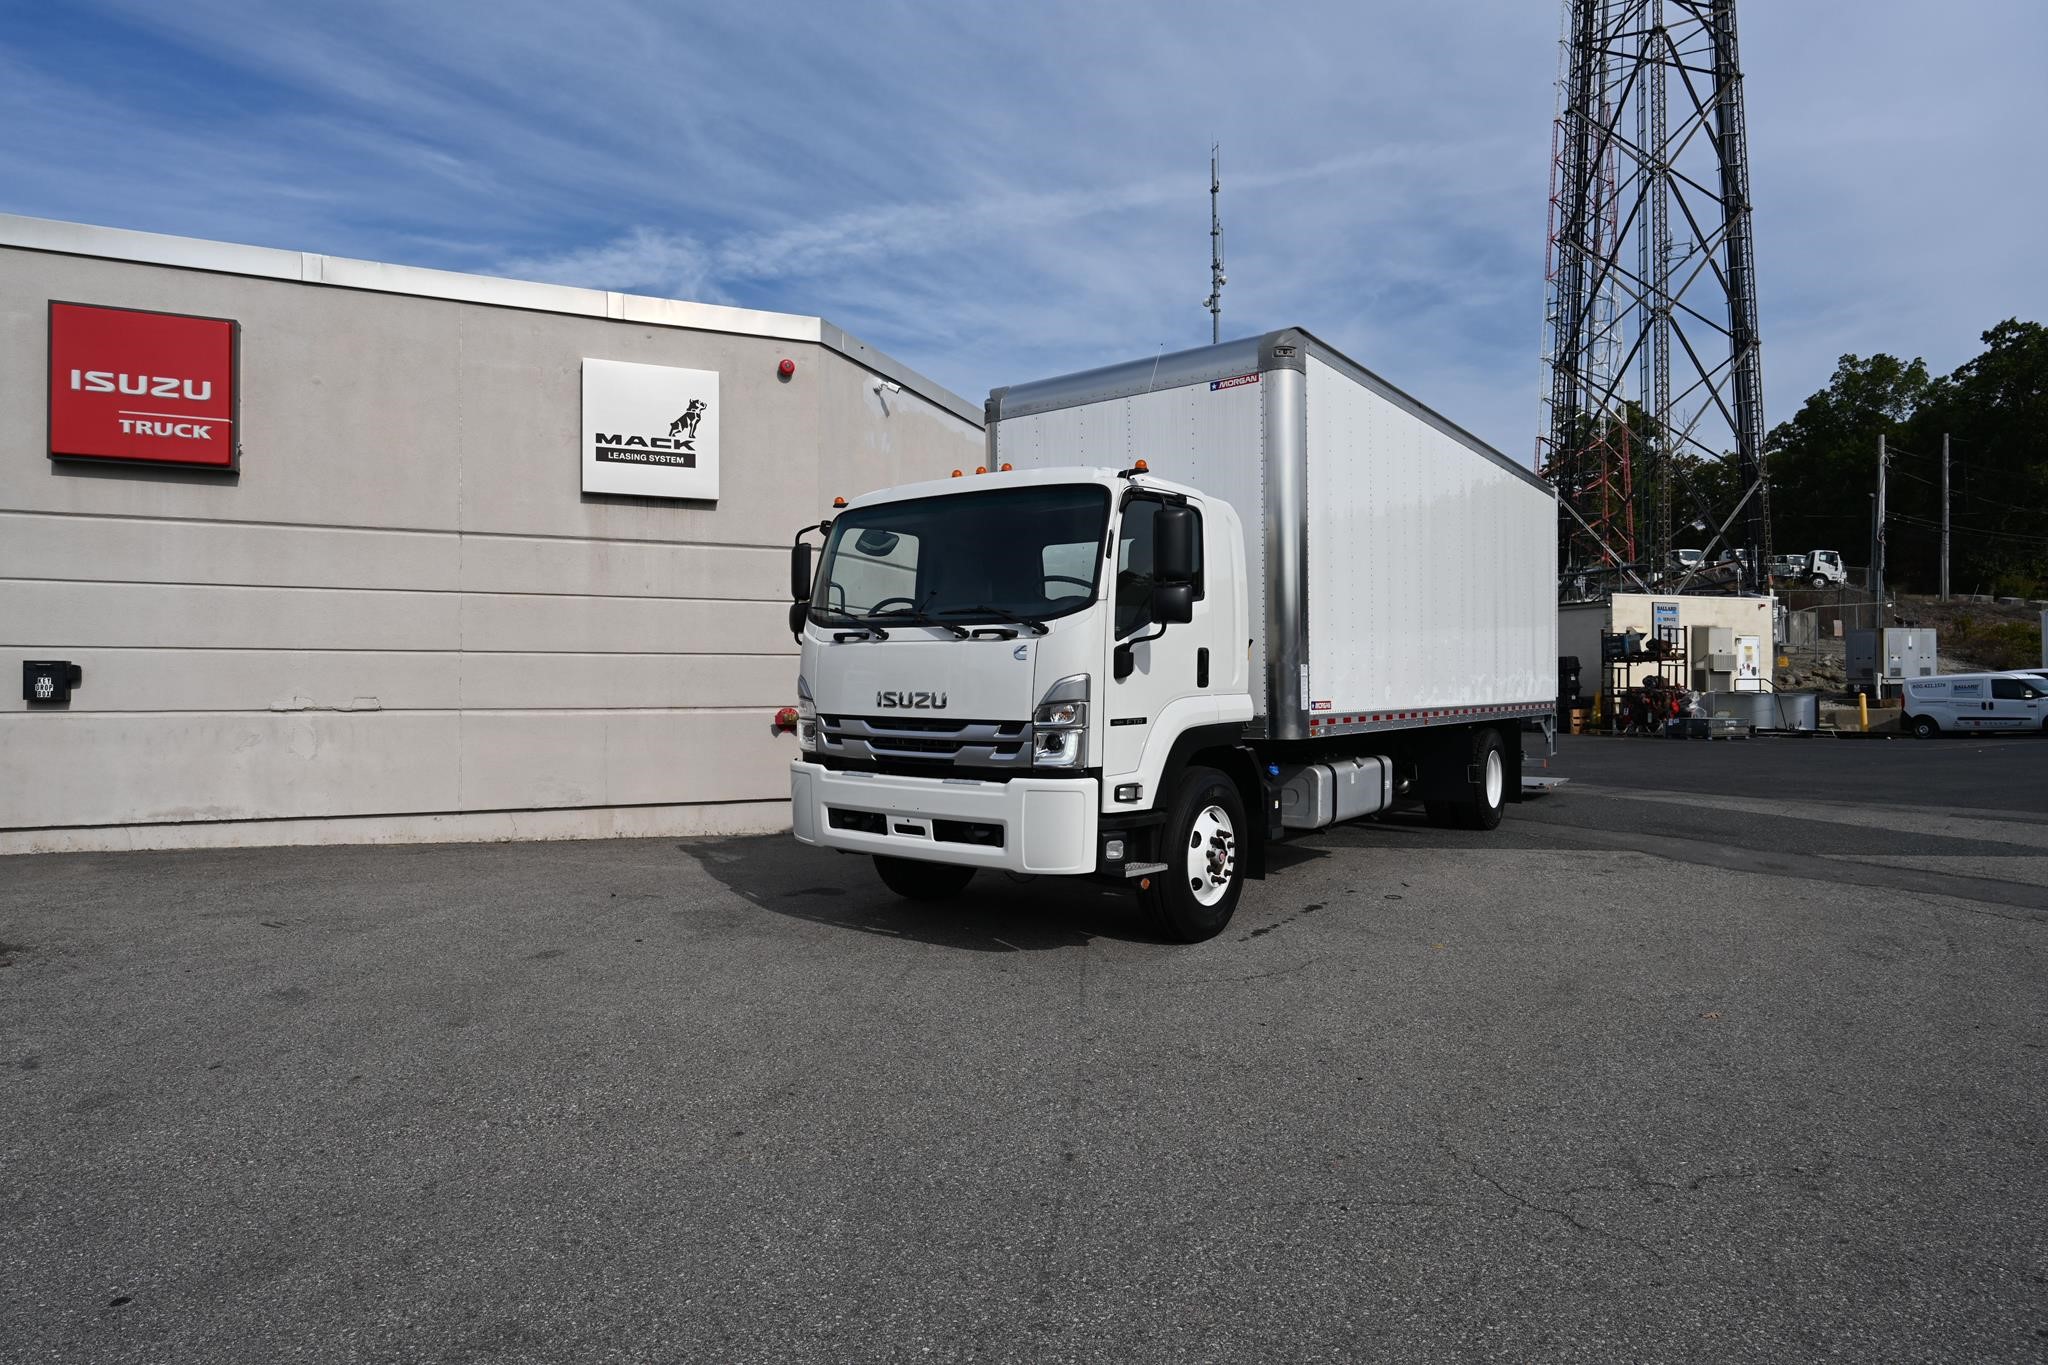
(1580, 624)
(403, 618)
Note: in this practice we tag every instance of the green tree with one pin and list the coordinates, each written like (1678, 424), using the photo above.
(1826, 465)
(1995, 411)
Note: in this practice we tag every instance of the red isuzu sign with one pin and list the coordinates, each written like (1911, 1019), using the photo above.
(145, 388)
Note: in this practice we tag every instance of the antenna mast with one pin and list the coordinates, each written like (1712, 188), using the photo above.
(1214, 303)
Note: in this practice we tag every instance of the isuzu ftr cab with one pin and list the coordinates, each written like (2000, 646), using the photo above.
(1148, 667)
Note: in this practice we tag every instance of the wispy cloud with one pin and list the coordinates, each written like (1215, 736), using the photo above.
(996, 194)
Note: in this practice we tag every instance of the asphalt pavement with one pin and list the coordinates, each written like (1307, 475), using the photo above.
(1722, 1052)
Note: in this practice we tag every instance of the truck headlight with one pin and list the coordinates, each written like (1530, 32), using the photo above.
(1059, 735)
(806, 715)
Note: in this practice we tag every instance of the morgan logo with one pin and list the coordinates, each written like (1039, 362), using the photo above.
(910, 701)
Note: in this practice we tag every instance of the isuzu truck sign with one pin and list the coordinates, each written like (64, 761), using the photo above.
(142, 388)
(649, 430)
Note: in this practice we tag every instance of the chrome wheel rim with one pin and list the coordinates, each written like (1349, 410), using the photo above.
(1212, 855)
(1495, 778)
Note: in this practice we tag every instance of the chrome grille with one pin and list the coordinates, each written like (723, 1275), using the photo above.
(958, 743)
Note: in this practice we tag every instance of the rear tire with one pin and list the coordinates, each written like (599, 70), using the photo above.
(1923, 727)
(1485, 778)
(1202, 846)
(922, 881)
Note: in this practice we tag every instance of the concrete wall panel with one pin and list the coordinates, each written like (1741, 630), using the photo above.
(627, 681)
(204, 617)
(413, 680)
(126, 768)
(254, 679)
(625, 568)
(624, 625)
(119, 549)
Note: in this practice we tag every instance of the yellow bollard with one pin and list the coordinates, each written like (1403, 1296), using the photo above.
(1863, 711)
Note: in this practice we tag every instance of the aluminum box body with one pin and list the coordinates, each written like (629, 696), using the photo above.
(1401, 572)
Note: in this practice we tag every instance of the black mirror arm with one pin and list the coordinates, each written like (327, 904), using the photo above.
(1145, 639)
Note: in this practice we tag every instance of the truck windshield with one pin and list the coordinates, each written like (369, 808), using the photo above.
(1030, 553)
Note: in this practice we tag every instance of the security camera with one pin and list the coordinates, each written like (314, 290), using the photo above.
(888, 384)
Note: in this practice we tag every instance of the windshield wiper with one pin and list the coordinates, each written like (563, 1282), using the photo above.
(918, 616)
(1035, 627)
(826, 617)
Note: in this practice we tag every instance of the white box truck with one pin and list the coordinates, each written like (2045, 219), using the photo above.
(1190, 605)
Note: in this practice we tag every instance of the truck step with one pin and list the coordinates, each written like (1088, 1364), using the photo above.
(1143, 869)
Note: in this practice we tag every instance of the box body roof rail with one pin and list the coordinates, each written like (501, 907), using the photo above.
(1286, 349)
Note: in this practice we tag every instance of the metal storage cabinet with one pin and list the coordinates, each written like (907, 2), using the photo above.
(1889, 655)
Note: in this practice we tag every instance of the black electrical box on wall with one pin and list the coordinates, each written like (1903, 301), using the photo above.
(48, 682)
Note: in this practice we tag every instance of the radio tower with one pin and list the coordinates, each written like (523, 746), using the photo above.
(1651, 267)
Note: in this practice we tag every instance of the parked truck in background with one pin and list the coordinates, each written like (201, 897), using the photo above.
(1196, 603)
(1817, 569)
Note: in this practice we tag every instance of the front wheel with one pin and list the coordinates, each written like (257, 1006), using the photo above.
(922, 881)
(1202, 847)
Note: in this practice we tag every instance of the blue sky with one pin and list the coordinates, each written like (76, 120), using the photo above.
(995, 193)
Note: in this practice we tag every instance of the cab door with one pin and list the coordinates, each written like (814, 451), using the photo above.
(2015, 704)
(1161, 667)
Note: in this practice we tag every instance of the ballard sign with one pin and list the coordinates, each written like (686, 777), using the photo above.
(142, 388)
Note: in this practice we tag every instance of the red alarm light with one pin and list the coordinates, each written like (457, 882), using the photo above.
(786, 368)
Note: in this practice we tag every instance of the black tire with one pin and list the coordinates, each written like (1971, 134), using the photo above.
(1184, 911)
(1483, 773)
(1923, 727)
(922, 881)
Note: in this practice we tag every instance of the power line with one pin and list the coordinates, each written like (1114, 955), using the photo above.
(1969, 530)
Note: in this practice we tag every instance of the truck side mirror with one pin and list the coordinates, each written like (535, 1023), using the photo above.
(800, 571)
(1173, 547)
(797, 612)
(1173, 604)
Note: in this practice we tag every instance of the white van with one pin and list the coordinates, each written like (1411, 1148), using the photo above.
(1975, 701)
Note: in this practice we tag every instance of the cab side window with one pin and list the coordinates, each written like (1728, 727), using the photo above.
(1134, 567)
(2012, 689)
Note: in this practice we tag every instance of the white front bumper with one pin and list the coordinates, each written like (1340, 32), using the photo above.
(1048, 823)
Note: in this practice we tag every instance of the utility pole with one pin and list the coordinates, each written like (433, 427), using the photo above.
(1877, 538)
(1944, 516)
(1214, 303)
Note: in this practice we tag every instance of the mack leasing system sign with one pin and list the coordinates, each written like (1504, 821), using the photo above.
(649, 430)
(142, 388)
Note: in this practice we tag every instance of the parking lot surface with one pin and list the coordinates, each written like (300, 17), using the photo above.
(1722, 1052)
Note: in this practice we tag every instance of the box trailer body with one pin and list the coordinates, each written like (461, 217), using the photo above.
(1191, 604)
(1403, 572)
